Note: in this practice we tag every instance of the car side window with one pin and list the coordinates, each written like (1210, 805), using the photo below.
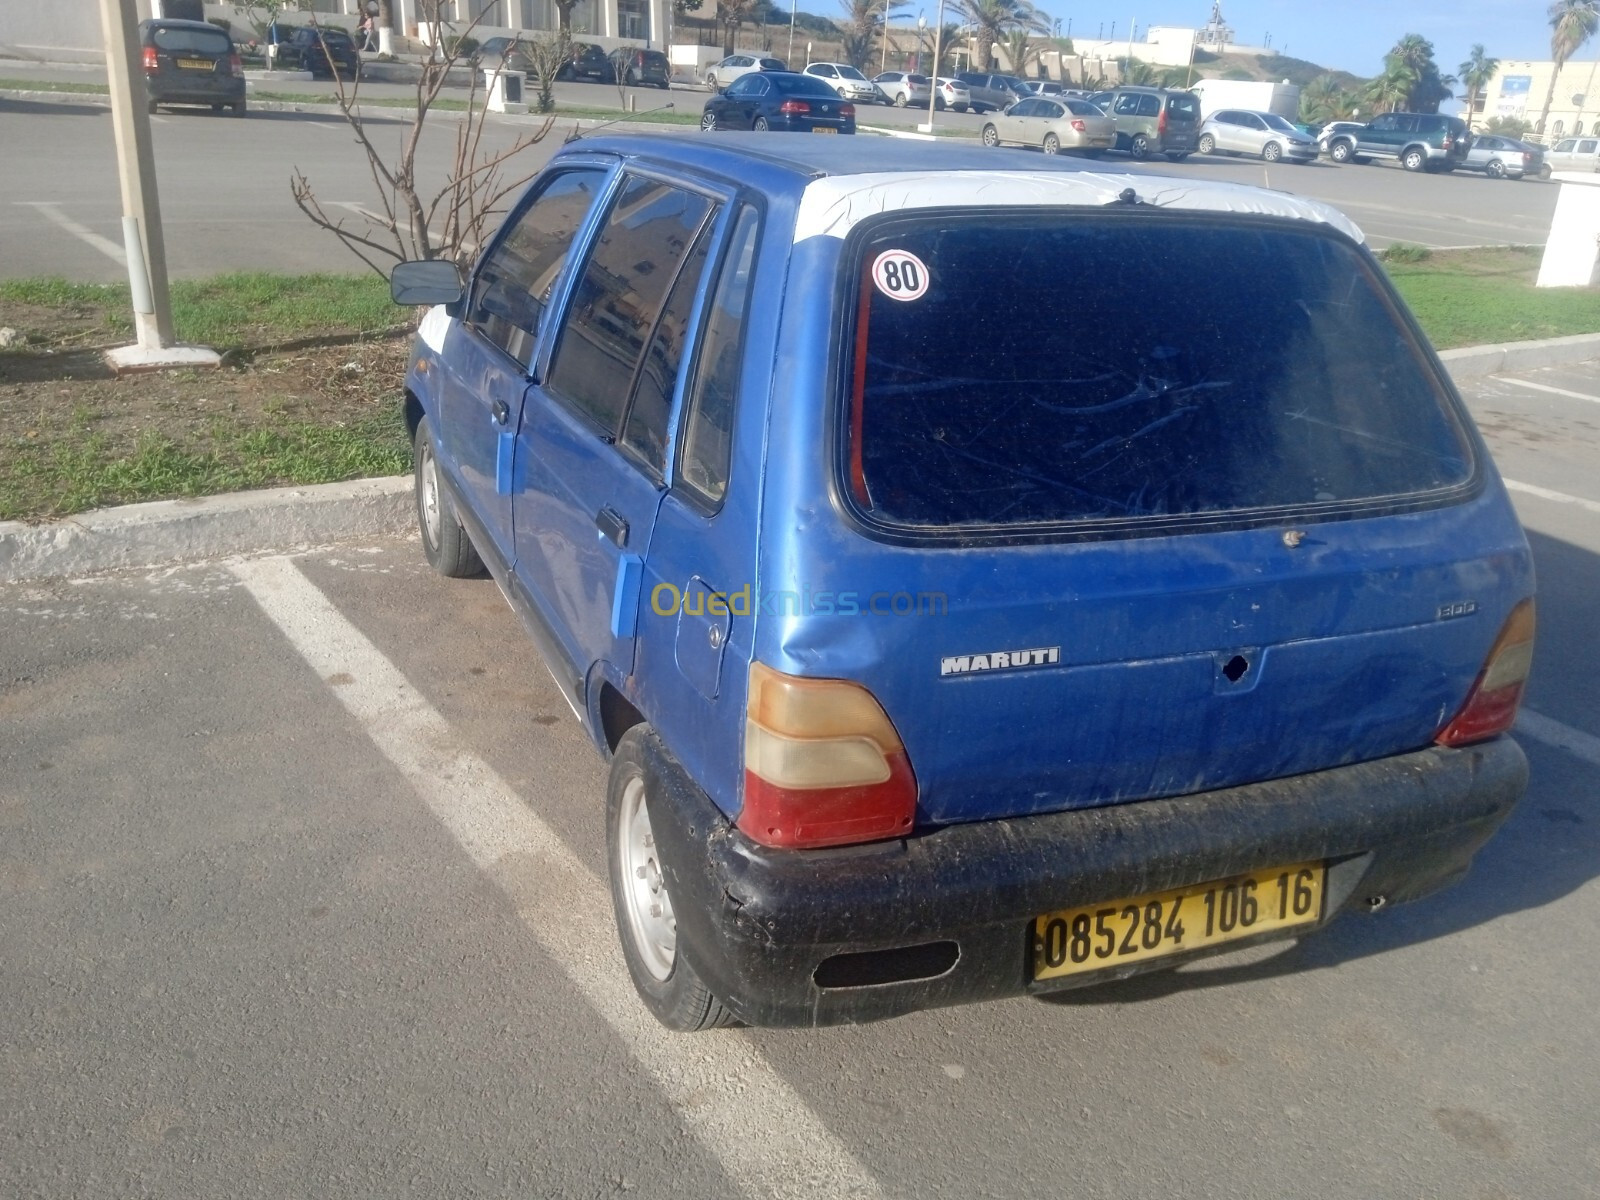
(513, 284)
(741, 86)
(714, 385)
(758, 86)
(1566, 146)
(1385, 123)
(1251, 121)
(648, 233)
(1025, 108)
(1048, 108)
(1127, 106)
(1587, 146)
(1149, 106)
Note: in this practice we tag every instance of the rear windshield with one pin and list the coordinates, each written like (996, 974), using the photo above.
(802, 85)
(1185, 105)
(1137, 366)
(191, 41)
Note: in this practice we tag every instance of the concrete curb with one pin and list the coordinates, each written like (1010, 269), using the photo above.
(1474, 362)
(137, 536)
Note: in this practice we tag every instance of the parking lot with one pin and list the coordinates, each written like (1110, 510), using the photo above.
(225, 184)
(302, 866)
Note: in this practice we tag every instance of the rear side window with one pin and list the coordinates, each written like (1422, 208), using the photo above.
(191, 41)
(1080, 395)
(648, 233)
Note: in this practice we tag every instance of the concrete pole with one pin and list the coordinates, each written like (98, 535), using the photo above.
(136, 170)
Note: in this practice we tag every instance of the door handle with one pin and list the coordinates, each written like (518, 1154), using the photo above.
(611, 526)
(502, 412)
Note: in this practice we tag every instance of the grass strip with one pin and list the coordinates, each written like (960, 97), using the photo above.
(1473, 297)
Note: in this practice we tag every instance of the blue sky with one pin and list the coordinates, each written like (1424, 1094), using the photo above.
(1352, 36)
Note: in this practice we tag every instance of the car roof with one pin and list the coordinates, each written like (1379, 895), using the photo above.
(790, 165)
(177, 23)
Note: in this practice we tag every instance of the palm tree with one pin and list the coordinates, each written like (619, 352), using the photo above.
(732, 13)
(1572, 23)
(863, 25)
(1323, 100)
(1021, 50)
(1390, 91)
(994, 18)
(1476, 73)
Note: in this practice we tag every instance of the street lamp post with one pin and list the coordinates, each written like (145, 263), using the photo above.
(794, 6)
(933, 74)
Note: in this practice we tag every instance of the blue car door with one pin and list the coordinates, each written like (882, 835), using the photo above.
(487, 352)
(593, 442)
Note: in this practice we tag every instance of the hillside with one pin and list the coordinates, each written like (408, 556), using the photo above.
(1273, 67)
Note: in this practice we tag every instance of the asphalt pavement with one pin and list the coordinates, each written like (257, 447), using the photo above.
(225, 183)
(301, 860)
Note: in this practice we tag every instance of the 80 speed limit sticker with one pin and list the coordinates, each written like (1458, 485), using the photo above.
(900, 275)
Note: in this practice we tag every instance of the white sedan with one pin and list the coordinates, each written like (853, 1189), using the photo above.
(848, 82)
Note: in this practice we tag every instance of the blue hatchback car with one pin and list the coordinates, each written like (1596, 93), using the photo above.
(945, 650)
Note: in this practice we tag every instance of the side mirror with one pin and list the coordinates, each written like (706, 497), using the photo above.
(429, 281)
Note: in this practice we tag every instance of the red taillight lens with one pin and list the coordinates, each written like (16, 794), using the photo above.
(151, 63)
(794, 107)
(1079, 126)
(823, 765)
(1491, 706)
(847, 110)
(1161, 122)
(234, 65)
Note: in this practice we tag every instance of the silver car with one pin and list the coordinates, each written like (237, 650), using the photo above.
(720, 75)
(1053, 124)
(904, 88)
(1502, 157)
(1574, 154)
(848, 82)
(1266, 134)
(1332, 130)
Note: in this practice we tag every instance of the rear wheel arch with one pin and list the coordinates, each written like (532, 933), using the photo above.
(615, 714)
(414, 414)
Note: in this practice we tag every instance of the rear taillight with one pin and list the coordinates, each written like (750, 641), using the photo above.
(1079, 126)
(1161, 122)
(847, 110)
(794, 107)
(235, 67)
(1491, 706)
(152, 64)
(823, 765)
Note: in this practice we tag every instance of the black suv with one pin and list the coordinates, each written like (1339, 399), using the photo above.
(313, 49)
(190, 62)
(636, 67)
(1421, 141)
(586, 61)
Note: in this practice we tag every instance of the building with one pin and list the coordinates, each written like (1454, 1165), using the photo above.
(1162, 46)
(1217, 35)
(1518, 90)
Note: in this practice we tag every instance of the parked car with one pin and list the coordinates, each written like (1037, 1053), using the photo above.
(191, 62)
(509, 53)
(1240, 131)
(847, 82)
(321, 50)
(1332, 129)
(944, 651)
(719, 75)
(990, 92)
(904, 88)
(1420, 141)
(1102, 100)
(952, 94)
(1053, 125)
(781, 100)
(1574, 154)
(1046, 87)
(585, 60)
(1153, 121)
(640, 68)
(1503, 158)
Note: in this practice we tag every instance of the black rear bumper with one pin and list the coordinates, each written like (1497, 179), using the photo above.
(757, 924)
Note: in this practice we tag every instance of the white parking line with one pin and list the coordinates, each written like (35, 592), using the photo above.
(1513, 485)
(1574, 741)
(51, 212)
(722, 1089)
(1545, 387)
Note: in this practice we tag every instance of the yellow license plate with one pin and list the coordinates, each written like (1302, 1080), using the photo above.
(1107, 935)
(195, 64)
(823, 129)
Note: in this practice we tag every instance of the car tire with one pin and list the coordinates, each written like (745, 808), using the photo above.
(760, 125)
(150, 107)
(445, 544)
(670, 988)
(938, 104)
(1341, 151)
(1052, 144)
(1139, 147)
(1496, 169)
(1208, 144)
(1271, 152)
(240, 108)
(901, 99)
(711, 82)
(1414, 160)
(708, 122)
(991, 136)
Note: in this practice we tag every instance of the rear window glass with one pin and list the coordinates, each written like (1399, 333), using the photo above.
(801, 85)
(1122, 375)
(192, 41)
(1185, 105)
